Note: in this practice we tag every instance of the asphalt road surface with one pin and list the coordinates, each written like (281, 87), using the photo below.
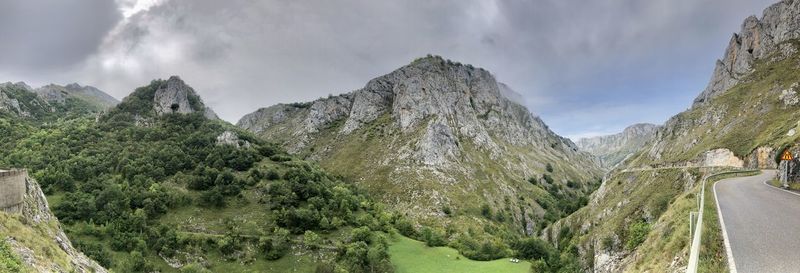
(762, 223)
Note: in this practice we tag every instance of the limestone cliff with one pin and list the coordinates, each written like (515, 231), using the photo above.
(758, 39)
(35, 235)
(433, 133)
(613, 149)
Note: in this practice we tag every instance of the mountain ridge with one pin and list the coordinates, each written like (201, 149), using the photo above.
(433, 134)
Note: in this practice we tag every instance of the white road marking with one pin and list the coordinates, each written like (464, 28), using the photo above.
(783, 190)
(725, 240)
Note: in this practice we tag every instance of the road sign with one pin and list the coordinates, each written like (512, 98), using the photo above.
(787, 155)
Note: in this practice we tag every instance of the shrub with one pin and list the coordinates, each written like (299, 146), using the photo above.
(548, 179)
(486, 211)
(405, 227)
(446, 210)
(637, 233)
(533, 248)
(311, 239)
(549, 168)
(433, 237)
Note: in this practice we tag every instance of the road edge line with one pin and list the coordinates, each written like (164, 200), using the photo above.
(726, 241)
(780, 189)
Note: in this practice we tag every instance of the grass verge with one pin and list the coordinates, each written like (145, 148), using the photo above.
(713, 257)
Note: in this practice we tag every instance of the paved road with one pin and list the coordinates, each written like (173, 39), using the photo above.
(762, 222)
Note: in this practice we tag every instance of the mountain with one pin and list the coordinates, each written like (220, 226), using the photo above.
(59, 94)
(31, 238)
(441, 142)
(52, 101)
(18, 99)
(159, 98)
(157, 184)
(636, 220)
(613, 149)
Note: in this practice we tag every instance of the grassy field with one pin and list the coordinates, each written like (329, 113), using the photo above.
(409, 255)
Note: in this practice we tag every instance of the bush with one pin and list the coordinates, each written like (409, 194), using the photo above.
(637, 233)
(549, 168)
(447, 211)
(548, 179)
(432, 237)
(212, 198)
(311, 239)
(272, 175)
(405, 227)
(533, 249)
(9, 262)
(95, 251)
(486, 211)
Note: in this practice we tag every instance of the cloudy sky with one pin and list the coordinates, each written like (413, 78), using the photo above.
(586, 67)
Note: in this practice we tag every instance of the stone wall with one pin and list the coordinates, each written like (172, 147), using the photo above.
(12, 190)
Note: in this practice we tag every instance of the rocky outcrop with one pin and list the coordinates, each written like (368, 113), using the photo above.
(174, 96)
(18, 99)
(613, 149)
(757, 39)
(721, 158)
(231, 138)
(35, 235)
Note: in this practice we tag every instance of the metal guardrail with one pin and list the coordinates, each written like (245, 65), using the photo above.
(694, 250)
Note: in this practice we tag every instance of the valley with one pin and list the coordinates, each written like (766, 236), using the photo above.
(432, 165)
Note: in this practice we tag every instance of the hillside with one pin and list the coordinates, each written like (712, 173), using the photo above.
(51, 101)
(613, 149)
(441, 142)
(31, 238)
(637, 220)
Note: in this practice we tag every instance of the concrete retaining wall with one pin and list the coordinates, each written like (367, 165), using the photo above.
(12, 190)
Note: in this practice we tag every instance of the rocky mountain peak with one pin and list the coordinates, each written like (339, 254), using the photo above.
(447, 99)
(757, 39)
(175, 96)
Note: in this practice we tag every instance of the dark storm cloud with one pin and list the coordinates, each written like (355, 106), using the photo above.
(52, 34)
(586, 67)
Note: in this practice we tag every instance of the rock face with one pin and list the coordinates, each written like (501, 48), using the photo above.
(757, 39)
(232, 139)
(58, 94)
(174, 96)
(18, 100)
(613, 149)
(429, 134)
(35, 235)
(721, 158)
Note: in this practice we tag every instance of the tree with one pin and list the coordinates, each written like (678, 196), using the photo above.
(213, 198)
(549, 168)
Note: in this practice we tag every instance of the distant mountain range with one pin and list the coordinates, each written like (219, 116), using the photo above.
(613, 149)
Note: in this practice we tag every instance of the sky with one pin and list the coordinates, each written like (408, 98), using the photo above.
(586, 68)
